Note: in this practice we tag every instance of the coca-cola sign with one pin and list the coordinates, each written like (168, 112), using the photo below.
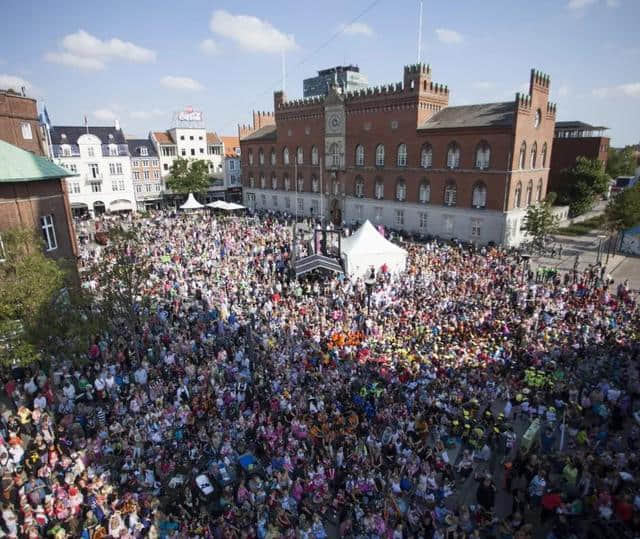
(190, 115)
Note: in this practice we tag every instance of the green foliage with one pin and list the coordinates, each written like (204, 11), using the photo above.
(581, 185)
(189, 176)
(583, 227)
(540, 222)
(29, 283)
(623, 210)
(620, 162)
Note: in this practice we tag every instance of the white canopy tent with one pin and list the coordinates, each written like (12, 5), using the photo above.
(226, 206)
(366, 247)
(191, 203)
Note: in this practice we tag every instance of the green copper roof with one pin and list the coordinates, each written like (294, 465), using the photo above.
(18, 165)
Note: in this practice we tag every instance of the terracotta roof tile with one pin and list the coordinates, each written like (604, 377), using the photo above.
(212, 138)
(163, 137)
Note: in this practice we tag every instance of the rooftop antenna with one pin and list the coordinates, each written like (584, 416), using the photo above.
(420, 34)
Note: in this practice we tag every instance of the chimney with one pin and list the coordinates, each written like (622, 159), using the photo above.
(117, 125)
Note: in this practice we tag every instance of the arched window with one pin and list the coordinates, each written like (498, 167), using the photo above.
(543, 157)
(518, 195)
(453, 156)
(300, 182)
(401, 190)
(252, 181)
(274, 181)
(359, 155)
(300, 155)
(379, 191)
(334, 152)
(529, 192)
(523, 155)
(426, 156)
(315, 184)
(286, 182)
(534, 154)
(539, 191)
(314, 155)
(250, 157)
(479, 195)
(402, 155)
(380, 155)
(335, 187)
(285, 157)
(483, 155)
(263, 181)
(450, 194)
(424, 193)
(273, 157)
(359, 187)
(261, 156)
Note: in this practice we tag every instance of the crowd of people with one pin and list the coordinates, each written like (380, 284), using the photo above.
(469, 400)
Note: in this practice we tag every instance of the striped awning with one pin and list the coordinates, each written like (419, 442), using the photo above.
(309, 263)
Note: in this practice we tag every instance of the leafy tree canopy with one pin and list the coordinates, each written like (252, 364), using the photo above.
(620, 162)
(582, 184)
(623, 210)
(189, 176)
(540, 221)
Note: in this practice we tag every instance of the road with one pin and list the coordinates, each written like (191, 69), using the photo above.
(628, 269)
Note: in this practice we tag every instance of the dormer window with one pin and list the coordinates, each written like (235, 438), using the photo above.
(144, 151)
(62, 135)
(110, 136)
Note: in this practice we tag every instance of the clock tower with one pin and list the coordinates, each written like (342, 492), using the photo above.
(334, 130)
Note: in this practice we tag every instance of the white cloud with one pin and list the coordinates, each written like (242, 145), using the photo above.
(181, 83)
(579, 4)
(631, 89)
(104, 115)
(564, 90)
(356, 29)
(251, 33)
(85, 51)
(145, 114)
(16, 83)
(483, 85)
(209, 46)
(450, 37)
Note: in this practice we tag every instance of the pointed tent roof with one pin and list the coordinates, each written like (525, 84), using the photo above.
(191, 203)
(18, 165)
(367, 240)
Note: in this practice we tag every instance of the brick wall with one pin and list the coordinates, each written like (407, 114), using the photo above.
(14, 111)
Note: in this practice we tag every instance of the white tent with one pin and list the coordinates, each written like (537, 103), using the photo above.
(218, 205)
(366, 247)
(233, 206)
(191, 203)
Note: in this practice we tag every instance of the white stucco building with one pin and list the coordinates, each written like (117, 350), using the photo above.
(100, 156)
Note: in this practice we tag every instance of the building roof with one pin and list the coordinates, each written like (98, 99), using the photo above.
(213, 138)
(163, 137)
(485, 115)
(268, 132)
(136, 143)
(580, 126)
(230, 145)
(74, 132)
(18, 165)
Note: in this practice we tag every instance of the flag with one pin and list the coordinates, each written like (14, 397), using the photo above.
(86, 123)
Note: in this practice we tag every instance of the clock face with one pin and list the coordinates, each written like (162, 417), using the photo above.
(334, 121)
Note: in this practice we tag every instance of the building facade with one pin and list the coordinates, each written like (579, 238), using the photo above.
(19, 124)
(232, 170)
(100, 158)
(33, 195)
(572, 140)
(401, 157)
(146, 172)
(188, 139)
(347, 78)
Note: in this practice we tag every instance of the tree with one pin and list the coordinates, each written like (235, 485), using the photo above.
(29, 284)
(540, 221)
(623, 210)
(621, 162)
(581, 185)
(189, 176)
(122, 275)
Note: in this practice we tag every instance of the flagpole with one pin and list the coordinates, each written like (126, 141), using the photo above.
(321, 197)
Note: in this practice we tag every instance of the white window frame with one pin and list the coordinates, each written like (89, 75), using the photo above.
(114, 185)
(96, 187)
(314, 155)
(399, 218)
(424, 193)
(380, 155)
(274, 200)
(476, 228)
(112, 169)
(423, 220)
(272, 157)
(263, 199)
(91, 152)
(359, 155)
(479, 196)
(449, 224)
(359, 188)
(144, 151)
(49, 232)
(379, 189)
(401, 190)
(285, 156)
(426, 157)
(334, 152)
(300, 155)
(450, 195)
(402, 155)
(315, 206)
(377, 213)
(25, 128)
(145, 174)
(483, 156)
(301, 204)
(287, 203)
(113, 150)
(453, 156)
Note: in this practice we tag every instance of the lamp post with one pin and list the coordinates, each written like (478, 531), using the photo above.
(525, 265)
(369, 283)
(601, 238)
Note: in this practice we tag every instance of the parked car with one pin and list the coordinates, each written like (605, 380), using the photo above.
(623, 182)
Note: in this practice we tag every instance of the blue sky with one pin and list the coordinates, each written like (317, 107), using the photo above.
(141, 61)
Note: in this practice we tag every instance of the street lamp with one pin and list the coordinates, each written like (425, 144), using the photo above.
(369, 283)
(525, 265)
